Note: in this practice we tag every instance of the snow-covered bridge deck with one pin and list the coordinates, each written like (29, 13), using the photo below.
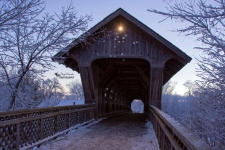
(125, 131)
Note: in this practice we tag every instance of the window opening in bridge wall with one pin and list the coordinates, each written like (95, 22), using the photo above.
(137, 106)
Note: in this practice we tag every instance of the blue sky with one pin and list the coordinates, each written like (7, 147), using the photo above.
(100, 9)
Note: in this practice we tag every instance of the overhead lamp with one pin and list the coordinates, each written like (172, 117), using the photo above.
(120, 28)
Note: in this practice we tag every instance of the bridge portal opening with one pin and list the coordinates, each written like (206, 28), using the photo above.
(137, 106)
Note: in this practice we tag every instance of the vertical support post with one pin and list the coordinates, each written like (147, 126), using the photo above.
(114, 102)
(118, 103)
(90, 93)
(56, 124)
(156, 82)
(77, 117)
(96, 106)
(146, 103)
(87, 83)
(104, 102)
(85, 115)
(68, 125)
(100, 101)
(107, 102)
(17, 136)
(41, 130)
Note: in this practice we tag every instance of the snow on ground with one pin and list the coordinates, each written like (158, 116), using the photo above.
(121, 132)
(70, 102)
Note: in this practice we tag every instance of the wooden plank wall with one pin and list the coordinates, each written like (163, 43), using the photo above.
(132, 42)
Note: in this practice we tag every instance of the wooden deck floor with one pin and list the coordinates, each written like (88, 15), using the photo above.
(121, 132)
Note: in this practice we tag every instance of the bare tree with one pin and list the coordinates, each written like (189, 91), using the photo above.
(167, 93)
(51, 92)
(28, 95)
(205, 21)
(10, 10)
(76, 89)
(168, 88)
(191, 87)
(28, 37)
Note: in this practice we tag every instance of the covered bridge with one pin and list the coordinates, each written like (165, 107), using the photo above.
(120, 60)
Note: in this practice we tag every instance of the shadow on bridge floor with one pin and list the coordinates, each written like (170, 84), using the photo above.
(120, 132)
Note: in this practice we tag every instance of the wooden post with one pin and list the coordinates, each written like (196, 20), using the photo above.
(17, 136)
(146, 103)
(100, 101)
(96, 106)
(85, 115)
(69, 119)
(87, 83)
(56, 123)
(104, 102)
(90, 93)
(118, 103)
(156, 82)
(41, 130)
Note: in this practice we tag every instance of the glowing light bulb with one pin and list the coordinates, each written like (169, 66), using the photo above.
(120, 28)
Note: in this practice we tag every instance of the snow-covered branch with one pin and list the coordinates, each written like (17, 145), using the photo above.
(29, 38)
(205, 20)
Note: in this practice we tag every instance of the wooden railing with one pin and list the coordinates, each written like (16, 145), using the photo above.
(24, 129)
(27, 128)
(172, 135)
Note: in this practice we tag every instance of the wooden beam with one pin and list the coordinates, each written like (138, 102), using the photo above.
(100, 101)
(114, 80)
(142, 74)
(109, 73)
(144, 81)
(87, 83)
(156, 86)
(96, 73)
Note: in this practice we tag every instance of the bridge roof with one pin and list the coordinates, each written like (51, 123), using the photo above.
(178, 59)
(109, 18)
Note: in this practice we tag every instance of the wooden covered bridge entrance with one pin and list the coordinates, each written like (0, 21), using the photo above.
(120, 61)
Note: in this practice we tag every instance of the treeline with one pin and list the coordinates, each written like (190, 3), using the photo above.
(200, 110)
(35, 92)
(32, 92)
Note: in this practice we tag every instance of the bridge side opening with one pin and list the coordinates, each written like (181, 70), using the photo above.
(137, 106)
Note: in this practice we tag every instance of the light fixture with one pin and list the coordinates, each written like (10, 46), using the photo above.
(120, 28)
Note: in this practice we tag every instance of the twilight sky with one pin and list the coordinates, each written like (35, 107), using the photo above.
(102, 8)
